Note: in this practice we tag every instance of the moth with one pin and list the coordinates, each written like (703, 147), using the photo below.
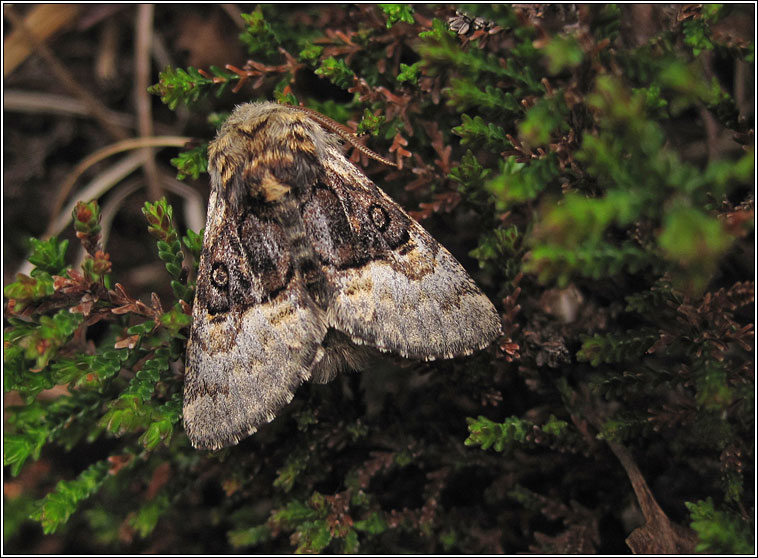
(307, 268)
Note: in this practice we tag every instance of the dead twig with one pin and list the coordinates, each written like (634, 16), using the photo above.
(142, 45)
(97, 109)
(118, 147)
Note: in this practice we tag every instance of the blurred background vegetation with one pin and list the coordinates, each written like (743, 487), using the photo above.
(591, 165)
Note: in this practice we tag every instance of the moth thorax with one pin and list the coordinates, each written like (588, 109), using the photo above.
(273, 189)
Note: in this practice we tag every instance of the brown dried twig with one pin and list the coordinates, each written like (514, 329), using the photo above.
(142, 77)
(97, 109)
(124, 145)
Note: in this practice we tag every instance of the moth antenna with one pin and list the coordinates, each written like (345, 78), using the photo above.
(344, 132)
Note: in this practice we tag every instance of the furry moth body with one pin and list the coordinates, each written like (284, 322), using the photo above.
(306, 268)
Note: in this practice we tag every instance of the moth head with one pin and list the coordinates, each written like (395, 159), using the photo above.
(281, 137)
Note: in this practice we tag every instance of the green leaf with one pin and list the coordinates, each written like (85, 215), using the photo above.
(370, 123)
(409, 73)
(374, 524)
(259, 36)
(55, 509)
(697, 35)
(719, 532)
(397, 12)
(162, 423)
(563, 51)
(476, 130)
(194, 242)
(146, 518)
(488, 434)
(40, 343)
(293, 513)
(17, 448)
(466, 94)
(336, 71)
(546, 117)
(49, 255)
(692, 238)
(251, 536)
(518, 182)
(311, 53)
(188, 86)
(25, 289)
(287, 475)
(613, 348)
(312, 537)
(694, 241)
(192, 162)
(439, 32)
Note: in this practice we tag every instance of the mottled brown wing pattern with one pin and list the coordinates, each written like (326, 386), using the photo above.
(255, 332)
(308, 269)
(392, 286)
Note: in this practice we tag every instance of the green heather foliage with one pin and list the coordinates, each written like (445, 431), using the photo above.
(599, 171)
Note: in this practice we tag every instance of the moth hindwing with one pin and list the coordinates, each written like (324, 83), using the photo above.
(307, 267)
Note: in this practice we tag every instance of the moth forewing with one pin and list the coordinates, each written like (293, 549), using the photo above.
(307, 267)
(246, 353)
